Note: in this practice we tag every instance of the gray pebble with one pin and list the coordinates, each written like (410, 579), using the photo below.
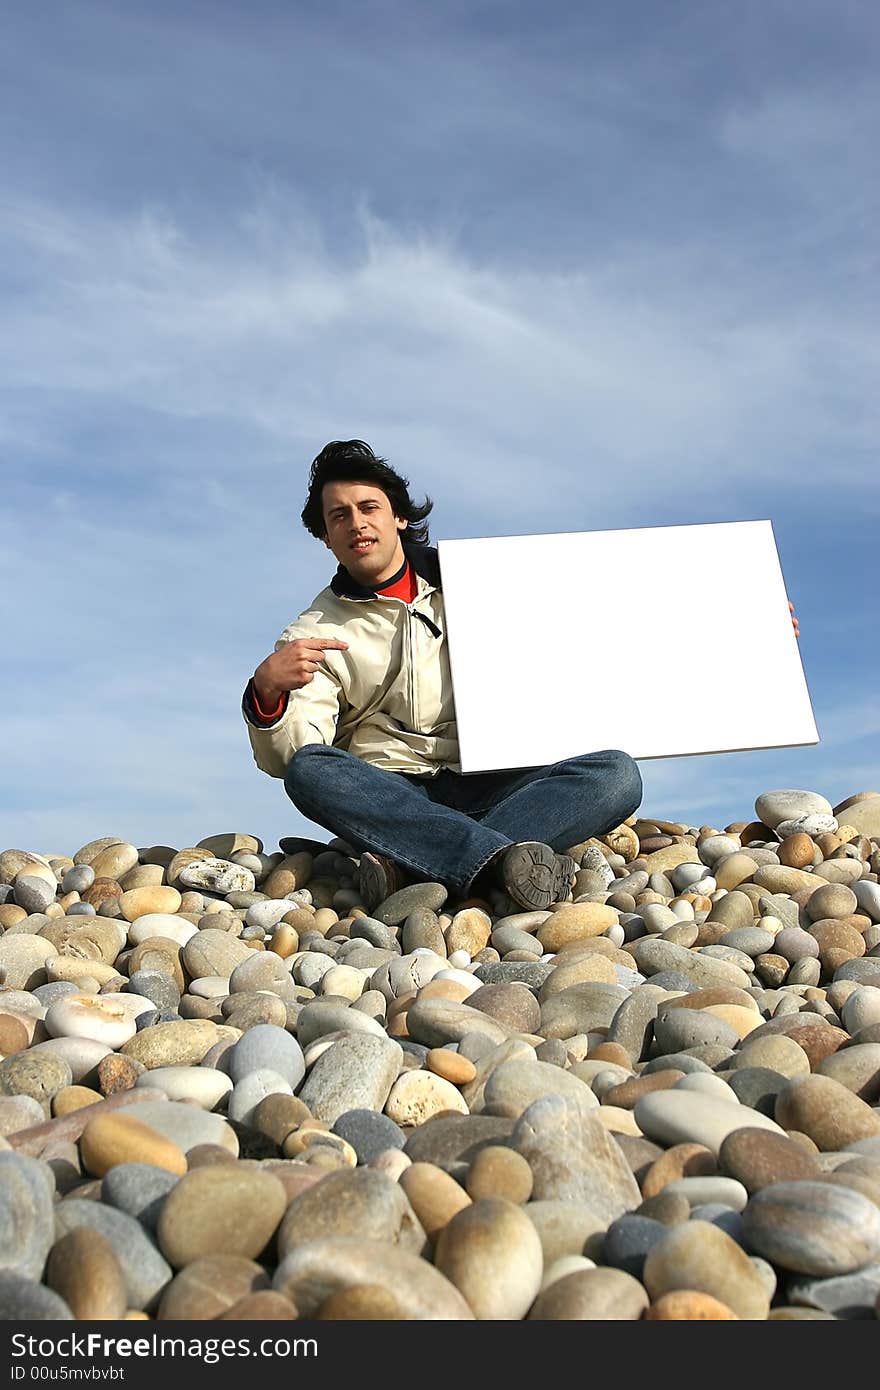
(23, 1301)
(146, 1271)
(138, 1189)
(369, 1133)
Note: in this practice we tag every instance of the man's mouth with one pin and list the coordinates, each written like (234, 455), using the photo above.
(361, 547)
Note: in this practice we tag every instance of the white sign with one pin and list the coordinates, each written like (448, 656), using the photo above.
(661, 641)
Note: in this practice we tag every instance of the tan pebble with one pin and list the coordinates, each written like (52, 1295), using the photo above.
(452, 1066)
(492, 1253)
(417, 1096)
(284, 941)
(67, 900)
(497, 1171)
(469, 931)
(679, 1161)
(743, 1021)
(397, 1026)
(109, 1140)
(14, 1034)
(611, 1052)
(264, 1306)
(10, 915)
(576, 923)
(689, 1305)
(361, 1303)
(434, 1196)
(617, 1120)
(71, 1098)
(137, 902)
(84, 1269)
(796, 852)
(445, 989)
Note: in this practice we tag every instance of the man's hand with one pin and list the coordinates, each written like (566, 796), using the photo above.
(292, 667)
(794, 621)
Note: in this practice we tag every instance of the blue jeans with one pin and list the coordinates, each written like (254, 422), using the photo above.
(446, 828)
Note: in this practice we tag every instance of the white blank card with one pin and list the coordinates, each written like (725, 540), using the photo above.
(661, 641)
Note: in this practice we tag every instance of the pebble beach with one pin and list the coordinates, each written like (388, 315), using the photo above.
(231, 1091)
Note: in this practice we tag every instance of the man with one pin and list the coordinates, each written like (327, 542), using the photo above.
(354, 709)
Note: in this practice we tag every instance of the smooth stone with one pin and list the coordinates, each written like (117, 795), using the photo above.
(774, 807)
(161, 924)
(861, 1009)
(251, 1090)
(185, 1125)
(653, 956)
(90, 1016)
(628, 1240)
(32, 893)
(452, 1141)
(357, 1072)
(224, 1209)
(846, 1296)
(182, 1044)
(139, 1189)
(137, 902)
(319, 1268)
(27, 1191)
(676, 1117)
(515, 1085)
(206, 1086)
(159, 988)
(19, 1112)
(632, 1026)
(699, 1256)
(501, 972)
(435, 1022)
(218, 875)
(856, 1067)
(581, 1009)
(125, 1138)
(210, 1286)
(417, 1096)
(361, 1203)
(814, 824)
(708, 1191)
(574, 1158)
(316, 1020)
(23, 959)
(369, 1133)
(414, 898)
(23, 1301)
(84, 1270)
(492, 1253)
(213, 952)
(38, 1074)
(813, 1228)
(868, 898)
(267, 1046)
(826, 1111)
(675, 1030)
(146, 1272)
(757, 1159)
(687, 1305)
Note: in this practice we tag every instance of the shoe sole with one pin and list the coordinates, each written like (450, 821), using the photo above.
(533, 876)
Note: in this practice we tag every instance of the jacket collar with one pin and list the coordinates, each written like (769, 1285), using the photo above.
(423, 559)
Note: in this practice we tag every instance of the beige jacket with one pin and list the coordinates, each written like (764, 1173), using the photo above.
(388, 698)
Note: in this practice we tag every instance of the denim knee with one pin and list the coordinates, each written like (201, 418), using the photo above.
(303, 774)
(627, 778)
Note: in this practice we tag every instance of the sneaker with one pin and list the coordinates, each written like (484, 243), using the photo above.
(378, 878)
(533, 875)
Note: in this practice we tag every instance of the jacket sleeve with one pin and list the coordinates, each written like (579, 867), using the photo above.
(309, 717)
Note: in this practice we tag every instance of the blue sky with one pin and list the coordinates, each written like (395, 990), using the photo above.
(567, 266)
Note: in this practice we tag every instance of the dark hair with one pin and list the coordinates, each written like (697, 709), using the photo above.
(353, 461)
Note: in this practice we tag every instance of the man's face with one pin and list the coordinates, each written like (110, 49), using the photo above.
(362, 531)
